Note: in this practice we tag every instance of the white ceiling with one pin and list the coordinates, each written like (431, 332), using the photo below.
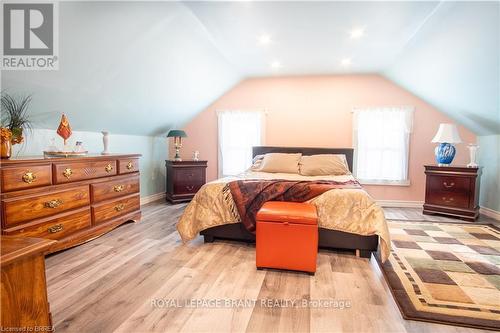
(311, 37)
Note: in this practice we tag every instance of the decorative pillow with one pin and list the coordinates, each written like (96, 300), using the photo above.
(324, 164)
(280, 162)
(257, 162)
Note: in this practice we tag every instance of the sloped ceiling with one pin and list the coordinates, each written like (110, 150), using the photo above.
(453, 62)
(128, 67)
(145, 67)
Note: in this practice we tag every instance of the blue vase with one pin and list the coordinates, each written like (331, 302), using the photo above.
(445, 153)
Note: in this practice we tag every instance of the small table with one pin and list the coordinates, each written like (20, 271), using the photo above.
(184, 179)
(452, 191)
(24, 299)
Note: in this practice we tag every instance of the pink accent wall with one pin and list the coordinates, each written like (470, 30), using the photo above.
(315, 111)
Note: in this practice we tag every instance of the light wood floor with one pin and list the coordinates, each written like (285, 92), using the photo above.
(110, 283)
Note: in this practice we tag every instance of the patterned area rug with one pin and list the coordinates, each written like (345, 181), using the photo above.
(447, 273)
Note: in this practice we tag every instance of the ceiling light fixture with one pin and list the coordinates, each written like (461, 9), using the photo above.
(357, 33)
(264, 39)
(276, 64)
(346, 62)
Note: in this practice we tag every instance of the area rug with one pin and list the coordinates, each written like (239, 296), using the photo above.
(447, 273)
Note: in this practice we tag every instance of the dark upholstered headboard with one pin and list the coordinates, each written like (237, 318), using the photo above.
(348, 152)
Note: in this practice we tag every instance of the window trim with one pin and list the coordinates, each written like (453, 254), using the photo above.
(383, 182)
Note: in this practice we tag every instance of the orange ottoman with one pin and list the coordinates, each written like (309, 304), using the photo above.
(287, 236)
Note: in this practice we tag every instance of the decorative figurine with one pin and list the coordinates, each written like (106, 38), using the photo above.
(105, 142)
(64, 130)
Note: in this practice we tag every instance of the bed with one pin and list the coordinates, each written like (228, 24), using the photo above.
(349, 219)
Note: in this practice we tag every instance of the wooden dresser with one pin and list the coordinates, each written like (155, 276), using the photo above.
(24, 302)
(452, 191)
(184, 179)
(70, 200)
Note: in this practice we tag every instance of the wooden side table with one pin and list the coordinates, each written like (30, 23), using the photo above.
(184, 179)
(24, 288)
(452, 191)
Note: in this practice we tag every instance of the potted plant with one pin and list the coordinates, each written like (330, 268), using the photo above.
(14, 121)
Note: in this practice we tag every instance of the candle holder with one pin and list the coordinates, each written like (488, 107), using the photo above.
(473, 155)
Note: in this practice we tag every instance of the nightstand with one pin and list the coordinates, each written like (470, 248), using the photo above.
(452, 191)
(184, 179)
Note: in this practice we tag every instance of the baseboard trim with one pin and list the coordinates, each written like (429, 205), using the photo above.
(490, 213)
(152, 197)
(400, 203)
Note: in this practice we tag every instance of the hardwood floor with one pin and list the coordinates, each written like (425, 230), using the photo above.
(125, 280)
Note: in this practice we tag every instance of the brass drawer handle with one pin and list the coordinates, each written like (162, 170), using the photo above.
(53, 203)
(55, 228)
(189, 187)
(118, 188)
(445, 184)
(108, 168)
(130, 166)
(119, 207)
(448, 200)
(67, 173)
(29, 177)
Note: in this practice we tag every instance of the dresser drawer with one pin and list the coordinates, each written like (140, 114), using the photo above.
(128, 165)
(71, 172)
(188, 180)
(56, 228)
(109, 210)
(449, 191)
(115, 188)
(21, 178)
(18, 210)
(449, 184)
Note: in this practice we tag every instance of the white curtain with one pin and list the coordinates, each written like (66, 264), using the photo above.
(382, 139)
(239, 131)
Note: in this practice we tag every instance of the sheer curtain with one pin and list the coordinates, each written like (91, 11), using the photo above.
(239, 131)
(382, 139)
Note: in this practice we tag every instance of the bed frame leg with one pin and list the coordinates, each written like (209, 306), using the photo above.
(364, 253)
(208, 238)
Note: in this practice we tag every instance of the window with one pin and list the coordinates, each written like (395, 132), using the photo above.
(382, 139)
(239, 131)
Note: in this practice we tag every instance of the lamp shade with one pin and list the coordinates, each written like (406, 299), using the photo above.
(176, 133)
(447, 133)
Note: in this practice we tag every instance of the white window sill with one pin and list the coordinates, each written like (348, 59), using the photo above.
(385, 182)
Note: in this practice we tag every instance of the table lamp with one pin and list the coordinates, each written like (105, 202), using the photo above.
(177, 135)
(446, 136)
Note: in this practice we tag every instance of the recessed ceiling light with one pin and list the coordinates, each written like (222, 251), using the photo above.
(357, 33)
(276, 64)
(346, 62)
(264, 39)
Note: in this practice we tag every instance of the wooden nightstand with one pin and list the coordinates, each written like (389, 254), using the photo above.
(452, 191)
(184, 179)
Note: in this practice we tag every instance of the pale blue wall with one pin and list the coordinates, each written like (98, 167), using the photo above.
(489, 158)
(153, 150)
(453, 63)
